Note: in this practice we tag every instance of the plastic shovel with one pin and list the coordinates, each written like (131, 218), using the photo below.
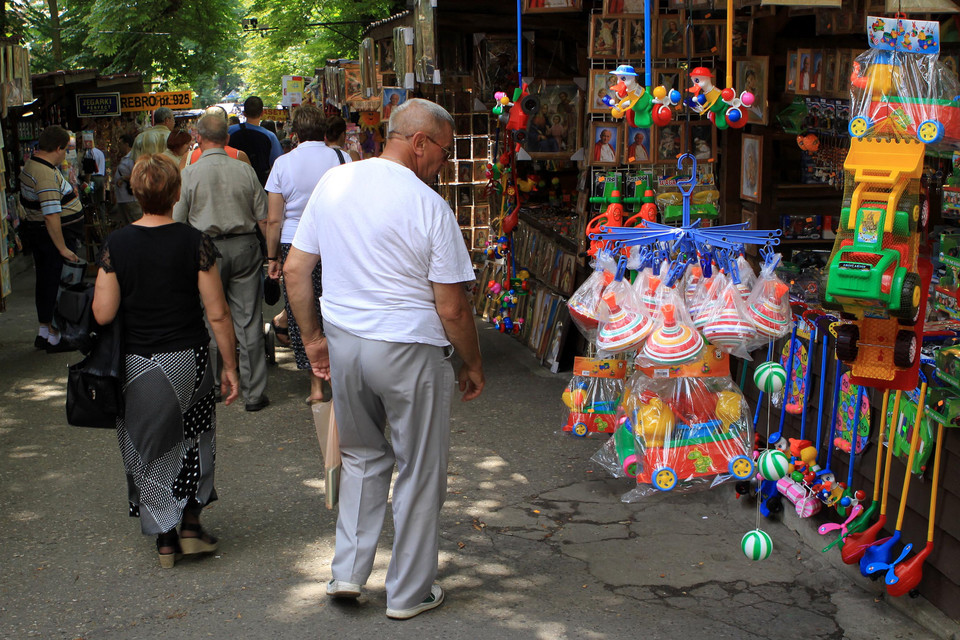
(909, 573)
(878, 556)
(856, 543)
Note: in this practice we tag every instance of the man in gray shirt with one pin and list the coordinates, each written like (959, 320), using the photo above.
(223, 198)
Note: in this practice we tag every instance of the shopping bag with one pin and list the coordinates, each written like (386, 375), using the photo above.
(326, 423)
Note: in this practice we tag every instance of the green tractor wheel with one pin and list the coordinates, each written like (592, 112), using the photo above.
(909, 300)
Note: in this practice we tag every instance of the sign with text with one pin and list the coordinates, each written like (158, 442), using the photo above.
(277, 115)
(151, 101)
(98, 105)
(292, 91)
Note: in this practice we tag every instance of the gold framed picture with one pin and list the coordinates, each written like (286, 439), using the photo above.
(606, 37)
(751, 167)
(623, 7)
(551, 6)
(554, 131)
(638, 147)
(753, 75)
(707, 38)
(804, 72)
(605, 143)
(790, 84)
(635, 37)
(599, 84)
(670, 41)
(670, 142)
(703, 140)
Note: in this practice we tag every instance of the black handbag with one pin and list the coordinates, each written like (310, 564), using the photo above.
(95, 384)
(74, 316)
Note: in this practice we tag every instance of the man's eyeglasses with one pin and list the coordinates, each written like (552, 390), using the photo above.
(447, 152)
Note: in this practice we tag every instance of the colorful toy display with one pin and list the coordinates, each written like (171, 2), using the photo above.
(770, 377)
(756, 545)
(593, 394)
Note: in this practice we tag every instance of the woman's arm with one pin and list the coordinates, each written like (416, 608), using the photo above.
(106, 297)
(275, 207)
(218, 314)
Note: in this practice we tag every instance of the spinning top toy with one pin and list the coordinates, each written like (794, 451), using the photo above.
(768, 313)
(728, 327)
(624, 330)
(672, 342)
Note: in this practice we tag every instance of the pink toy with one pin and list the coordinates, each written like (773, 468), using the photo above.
(672, 342)
(802, 498)
(624, 330)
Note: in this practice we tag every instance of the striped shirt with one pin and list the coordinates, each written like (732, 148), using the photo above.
(45, 192)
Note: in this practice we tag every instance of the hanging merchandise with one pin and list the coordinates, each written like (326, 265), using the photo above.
(593, 395)
(584, 304)
(674, 340)
(623, 323)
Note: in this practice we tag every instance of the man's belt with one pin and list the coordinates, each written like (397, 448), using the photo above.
(227, 236)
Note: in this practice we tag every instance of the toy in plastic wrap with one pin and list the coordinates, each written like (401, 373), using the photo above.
(673, 341)
(593, 395)
(681, 433)
(768, 307)
(584, 304)
(728, 326)
(904, 424)
(626, 325)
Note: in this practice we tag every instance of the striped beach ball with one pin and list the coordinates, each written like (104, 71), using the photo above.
(770, 377)
(756, 545)
(773, 464)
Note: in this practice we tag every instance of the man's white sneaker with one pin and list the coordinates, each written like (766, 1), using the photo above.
(434, 600)
(341, 589)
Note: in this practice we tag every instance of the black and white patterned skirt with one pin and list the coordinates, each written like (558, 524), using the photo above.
(293, 329)
(167, 436)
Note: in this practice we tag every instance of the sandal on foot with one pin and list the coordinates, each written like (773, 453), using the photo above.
(283, 334)
(169, 540)
(202, 543)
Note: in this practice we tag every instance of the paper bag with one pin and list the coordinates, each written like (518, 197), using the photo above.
(326, 423)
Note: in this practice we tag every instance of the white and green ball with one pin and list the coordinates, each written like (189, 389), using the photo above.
(773, 464)
(756, 545)
(770, 377)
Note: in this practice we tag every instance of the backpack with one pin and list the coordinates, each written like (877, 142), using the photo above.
(257, 145)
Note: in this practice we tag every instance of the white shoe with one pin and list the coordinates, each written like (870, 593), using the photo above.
(341, 589)
(434, 600)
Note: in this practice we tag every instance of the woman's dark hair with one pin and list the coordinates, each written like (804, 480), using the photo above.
(335, 128)
(155, 182)
(269, 125)
(53, 138)
(177, 139)
(309, 123)
(128, 138)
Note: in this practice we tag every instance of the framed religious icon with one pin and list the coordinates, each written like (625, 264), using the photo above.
(804, 71)
(623, 7)
(703, 140)
(790, 85)
(845, 59)
(606, 37)
(751, 156)
(707, 38)
(551, 6)
(670, 42)
(742, 36)
(638, 147)
(670, 142)
(828, 82)
(599, 85)
(669, 79)
(605, 145)
(635, 36)
(753, 75)
(554, 131)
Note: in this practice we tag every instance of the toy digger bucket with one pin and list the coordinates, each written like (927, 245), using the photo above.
(883, 169)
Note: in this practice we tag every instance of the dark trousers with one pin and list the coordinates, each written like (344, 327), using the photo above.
(48, 263)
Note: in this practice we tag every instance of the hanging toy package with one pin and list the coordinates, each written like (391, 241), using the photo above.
(727, 326)
(623, 320)
(674, 341)
(687, 432)
(586, 301)
(593, 395)
(768, 307)
(748, 279)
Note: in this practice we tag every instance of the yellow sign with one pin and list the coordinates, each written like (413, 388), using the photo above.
(152, 101)
(277, 115)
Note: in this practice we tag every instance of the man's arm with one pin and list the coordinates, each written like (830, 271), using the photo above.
(181, 210)
(56, 234)
(457, 319)
(298, 274)
(275, 149)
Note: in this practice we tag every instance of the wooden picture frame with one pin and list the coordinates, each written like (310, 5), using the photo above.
(703, 140)
(742, 37)
(817, 73)
(638, 151)
(846, 58)
(790, 83)
(606, 37)
(670, 79)
(634, 32)
(598, 85)
(829, 82)
(804, 71)
(554, 132)
(670, 42)
(752, 74)
(751, 167)
(707, 38)
(623, 7)
(552, 6)
(670, 142)
(604, 147)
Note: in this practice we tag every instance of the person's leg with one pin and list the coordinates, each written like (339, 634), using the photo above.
(367, 459)
(48, 264)
(416, 383)
(245, 298)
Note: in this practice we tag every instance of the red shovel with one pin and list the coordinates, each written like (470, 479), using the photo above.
(909, 573)
(856, 543)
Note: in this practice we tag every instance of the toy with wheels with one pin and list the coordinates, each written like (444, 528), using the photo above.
(592, 396)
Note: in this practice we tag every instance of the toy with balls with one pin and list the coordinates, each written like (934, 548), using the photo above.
(756, 545)
(773, 464)
(770, 377)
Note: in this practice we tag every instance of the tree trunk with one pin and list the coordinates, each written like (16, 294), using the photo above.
(55, 37)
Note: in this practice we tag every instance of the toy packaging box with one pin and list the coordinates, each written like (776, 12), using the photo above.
(593, 395)
(802, 227)
(945, 291)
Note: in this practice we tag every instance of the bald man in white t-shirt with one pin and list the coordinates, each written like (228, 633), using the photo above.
(394, 266)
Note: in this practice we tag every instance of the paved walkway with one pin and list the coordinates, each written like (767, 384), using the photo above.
(534, 544)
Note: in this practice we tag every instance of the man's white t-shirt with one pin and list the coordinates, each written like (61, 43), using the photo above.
(383, 237)
(294, 176)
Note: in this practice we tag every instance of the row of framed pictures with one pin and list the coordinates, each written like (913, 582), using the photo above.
(816, 72)
(611, 144)
(617, 37)
(751, 73)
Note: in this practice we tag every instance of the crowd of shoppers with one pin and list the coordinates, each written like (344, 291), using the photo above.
(184, 276)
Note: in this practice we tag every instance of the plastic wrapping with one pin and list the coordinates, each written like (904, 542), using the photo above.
(728, 327)
(679, 434)
(593, 395)
(674, 340)
(623, 320)
(899, 94)
(584, 304)
(768, 307)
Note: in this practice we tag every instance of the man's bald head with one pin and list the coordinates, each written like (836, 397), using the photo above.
(213, 128)
(417, 114)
